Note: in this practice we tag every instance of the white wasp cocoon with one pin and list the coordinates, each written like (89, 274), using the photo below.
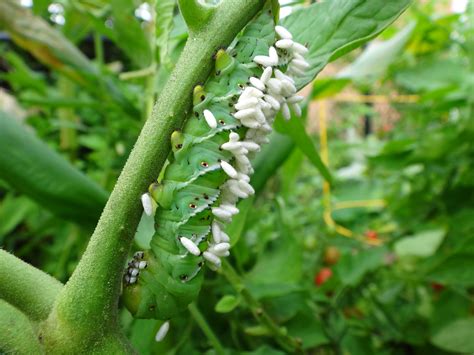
(234, 137)
(160, 335)
(296, 70)
(142, 264)
(272, 53)
(257, 83)
(245, 186)
(250, 122)
(285, 111)
(253, 92)
(147, 204)
(232, 145)
(220, 249)
(224, 237)
(287, 88)
(299, 48)
(244, 177)
(230, 208)
(190, 246)
(210, 119)
(251, 146)
(296, 109)
(280, 75)
(221, 213)
(132, 280)
(263, 60)
(236, 190)
(247, 103)
(248, 112)
(212, 258)
(284, 43)
(295, 99)
(272, 101)
(274, 85)
(216, 232)
(283, 33)
(228, 169)
(301, 64)
(134, 272)
(267, 74)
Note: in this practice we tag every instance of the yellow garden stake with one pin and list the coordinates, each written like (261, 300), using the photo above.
(327, 206)
(327, 214)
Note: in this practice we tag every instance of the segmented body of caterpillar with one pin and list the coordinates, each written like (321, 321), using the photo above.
(210, 167)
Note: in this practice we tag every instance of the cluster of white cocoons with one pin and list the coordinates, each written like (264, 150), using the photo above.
(134, 267)
(256, 109)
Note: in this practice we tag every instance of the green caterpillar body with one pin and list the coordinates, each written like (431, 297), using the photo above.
(190, 189)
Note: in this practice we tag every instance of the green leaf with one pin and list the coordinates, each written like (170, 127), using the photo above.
(352, 268)
(35, 170)
(13, 211)
(237, 227)
(456, 270)
(270, 158)
(295, 129)
(264, 350)
(333, 28)
(227, 304)
(457, 336)
(282, 260)
(378, 56)
(51, 48)
(131, 37)
(327, 87)
(432, 74)
(308, 328)
(164, 24)
(422, 244)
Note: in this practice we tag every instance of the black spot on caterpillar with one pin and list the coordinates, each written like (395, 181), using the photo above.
(209, 170)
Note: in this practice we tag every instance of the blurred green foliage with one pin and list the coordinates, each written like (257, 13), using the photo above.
(405, 284)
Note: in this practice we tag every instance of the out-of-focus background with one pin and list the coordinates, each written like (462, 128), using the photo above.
(382, 261)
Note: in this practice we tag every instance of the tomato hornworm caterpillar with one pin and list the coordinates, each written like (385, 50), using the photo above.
(209, 168)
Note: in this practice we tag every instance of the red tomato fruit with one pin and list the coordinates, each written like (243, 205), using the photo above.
(372, 235)
(322, 276)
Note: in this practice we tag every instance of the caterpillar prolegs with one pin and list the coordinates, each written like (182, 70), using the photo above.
(209, 168)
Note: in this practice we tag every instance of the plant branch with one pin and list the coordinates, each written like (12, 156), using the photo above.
(27, 288)
(206, 329)
(195, 13)
(281, 337)
(88, 303)
(17, 335)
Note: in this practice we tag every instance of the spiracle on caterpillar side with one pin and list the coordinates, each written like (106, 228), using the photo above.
(196, 195)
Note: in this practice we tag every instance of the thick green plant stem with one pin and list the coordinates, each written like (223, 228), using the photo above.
(17, 335)
(87, 305)
(29, 289)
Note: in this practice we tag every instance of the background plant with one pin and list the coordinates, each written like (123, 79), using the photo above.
(85, 78)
